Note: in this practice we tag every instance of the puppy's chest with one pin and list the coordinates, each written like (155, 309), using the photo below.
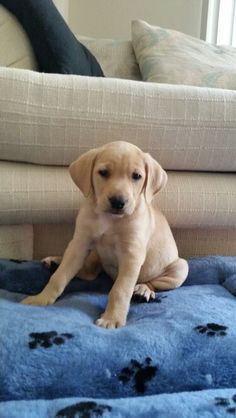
(107, 247)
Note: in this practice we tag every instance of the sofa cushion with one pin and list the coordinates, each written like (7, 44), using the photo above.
(41, 194)
(51, 119)
(15, 48)
(116, 57)
(55, 47)
(168, 56)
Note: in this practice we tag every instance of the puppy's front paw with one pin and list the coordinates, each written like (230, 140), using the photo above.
(107, 321)
(39, 300)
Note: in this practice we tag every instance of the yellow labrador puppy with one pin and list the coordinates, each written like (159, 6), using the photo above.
(118, 230)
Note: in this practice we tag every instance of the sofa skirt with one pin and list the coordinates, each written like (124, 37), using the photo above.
(27, 242)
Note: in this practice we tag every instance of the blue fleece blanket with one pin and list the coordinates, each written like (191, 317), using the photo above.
(176, 357)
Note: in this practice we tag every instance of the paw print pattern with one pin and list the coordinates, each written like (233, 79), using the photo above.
(83, 410)
(47, 339)
(212, 330)
(228, 403)
(139, 373)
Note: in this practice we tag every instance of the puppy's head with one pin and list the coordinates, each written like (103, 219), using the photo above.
(117, 174)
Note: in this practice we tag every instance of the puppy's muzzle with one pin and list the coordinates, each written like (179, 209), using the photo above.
(117, 203)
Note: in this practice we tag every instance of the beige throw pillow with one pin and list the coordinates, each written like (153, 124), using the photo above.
(168, 56)
(116, 57)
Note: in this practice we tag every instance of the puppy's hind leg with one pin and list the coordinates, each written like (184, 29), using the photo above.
(143, 293)
(47, 261)
(173, 276)
(92, 267)
(90, 270)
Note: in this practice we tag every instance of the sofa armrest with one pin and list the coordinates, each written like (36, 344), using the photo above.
(51, 119)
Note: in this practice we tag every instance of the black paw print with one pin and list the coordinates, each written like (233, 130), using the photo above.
(142, 299)
(47, 339)
(212, 330)
(229, 404)
(140, 373)
(83, 410)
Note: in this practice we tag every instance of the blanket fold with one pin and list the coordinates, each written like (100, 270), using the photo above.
(205, 404)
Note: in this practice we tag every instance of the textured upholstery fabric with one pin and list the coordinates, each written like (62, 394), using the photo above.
(51, 119)
(52, 239)
(16, 241)
(37, 194)
(200, 242)
(15, 48)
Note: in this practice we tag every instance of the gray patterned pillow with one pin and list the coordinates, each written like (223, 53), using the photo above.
(168, 56)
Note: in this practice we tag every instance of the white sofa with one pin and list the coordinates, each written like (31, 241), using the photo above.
(47, 121)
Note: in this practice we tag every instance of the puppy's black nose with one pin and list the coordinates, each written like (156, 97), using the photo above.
(117, 202)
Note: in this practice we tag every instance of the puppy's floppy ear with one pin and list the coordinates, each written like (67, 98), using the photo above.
(81, 171)
(156, 177)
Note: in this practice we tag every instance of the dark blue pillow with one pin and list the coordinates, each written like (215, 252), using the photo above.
(56, 48)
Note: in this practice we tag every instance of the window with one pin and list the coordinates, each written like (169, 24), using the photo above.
(221, 22)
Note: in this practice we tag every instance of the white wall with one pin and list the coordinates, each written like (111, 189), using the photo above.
(111, 18)
(63, 7)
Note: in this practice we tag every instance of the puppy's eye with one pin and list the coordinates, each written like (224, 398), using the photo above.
(104, 173)
(136, 176)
